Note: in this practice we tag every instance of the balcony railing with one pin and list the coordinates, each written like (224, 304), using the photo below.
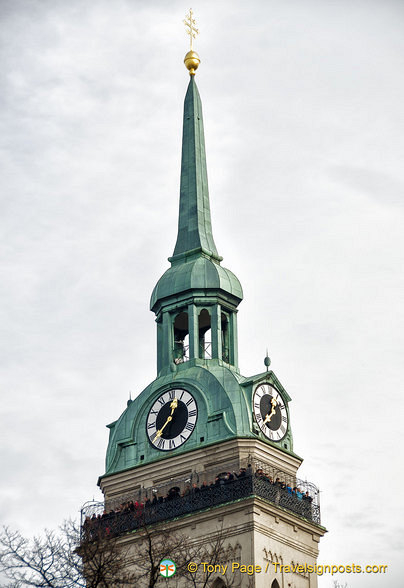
(181, 352)
(135, 514)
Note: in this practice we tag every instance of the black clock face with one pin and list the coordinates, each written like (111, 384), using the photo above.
(270, 412)
(171, 419)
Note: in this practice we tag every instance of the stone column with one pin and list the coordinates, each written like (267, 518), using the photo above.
(193, 329)
(216, 329)
(233, 340)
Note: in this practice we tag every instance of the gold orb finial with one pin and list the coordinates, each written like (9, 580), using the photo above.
(191, 59)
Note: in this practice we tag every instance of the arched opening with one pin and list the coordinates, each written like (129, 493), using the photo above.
(218, 583)
(181, 338)
(205, 335)
(275, 584)
(225, 337)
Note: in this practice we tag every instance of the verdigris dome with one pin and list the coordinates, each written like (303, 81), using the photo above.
(198, 274)
(218, 391)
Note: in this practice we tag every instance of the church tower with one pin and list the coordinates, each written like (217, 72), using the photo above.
(217, 443)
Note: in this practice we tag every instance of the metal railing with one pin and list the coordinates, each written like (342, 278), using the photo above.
(181, 354)
(135, 514)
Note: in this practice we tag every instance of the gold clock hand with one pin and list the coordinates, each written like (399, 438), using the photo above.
(270, 415)
(160, 432)
(173, 406)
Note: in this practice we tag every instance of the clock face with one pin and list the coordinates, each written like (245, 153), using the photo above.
(171, 419)
(270, 412)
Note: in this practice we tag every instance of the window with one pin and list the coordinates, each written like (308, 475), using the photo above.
(181, 338)
(225, 338)
(205, 334)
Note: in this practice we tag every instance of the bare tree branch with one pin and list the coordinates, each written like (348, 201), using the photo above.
(61, 560)
(101, 560)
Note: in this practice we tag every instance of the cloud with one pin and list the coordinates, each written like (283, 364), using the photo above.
(305, 198)
(386, 189)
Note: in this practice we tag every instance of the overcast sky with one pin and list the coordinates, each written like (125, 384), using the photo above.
(303, 109)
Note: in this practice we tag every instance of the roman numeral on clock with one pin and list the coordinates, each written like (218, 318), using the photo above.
(175, 413)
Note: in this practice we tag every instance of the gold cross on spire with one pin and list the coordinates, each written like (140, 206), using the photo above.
(191, 30)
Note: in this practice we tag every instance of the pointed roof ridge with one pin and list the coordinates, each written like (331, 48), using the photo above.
(195, 235)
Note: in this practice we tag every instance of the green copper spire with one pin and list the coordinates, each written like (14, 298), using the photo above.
(194, 223)
(196, 296)
(196, 303)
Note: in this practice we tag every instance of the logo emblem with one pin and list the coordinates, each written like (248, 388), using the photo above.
(167, 568)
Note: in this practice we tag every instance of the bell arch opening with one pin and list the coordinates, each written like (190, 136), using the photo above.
(181, 338)
(224, 320)
(205, 334)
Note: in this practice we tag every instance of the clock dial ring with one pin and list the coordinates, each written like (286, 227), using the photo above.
(171, 419)
(270, 412)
